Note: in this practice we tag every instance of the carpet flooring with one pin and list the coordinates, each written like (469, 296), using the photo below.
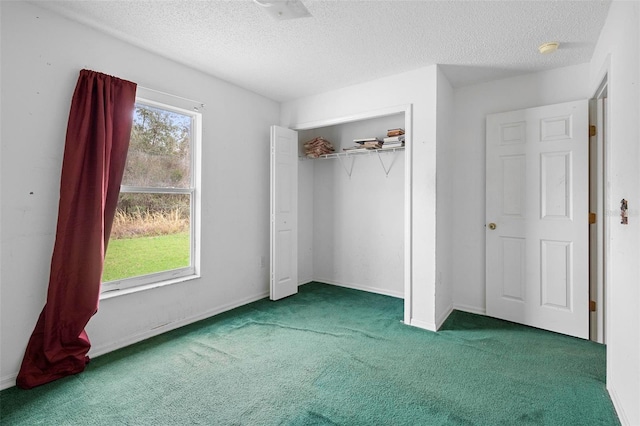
(331, 356)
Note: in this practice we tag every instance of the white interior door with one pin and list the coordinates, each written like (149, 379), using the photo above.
(284, 213)
(537, 238)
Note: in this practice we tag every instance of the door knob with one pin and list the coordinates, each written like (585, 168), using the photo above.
(492, 226)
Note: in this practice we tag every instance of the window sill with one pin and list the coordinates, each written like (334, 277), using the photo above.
(121, 292)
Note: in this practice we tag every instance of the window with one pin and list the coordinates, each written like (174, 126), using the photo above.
(155, 230)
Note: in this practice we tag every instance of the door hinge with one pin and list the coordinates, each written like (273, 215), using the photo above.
(592, 130)
(592, 305)
(592, 218)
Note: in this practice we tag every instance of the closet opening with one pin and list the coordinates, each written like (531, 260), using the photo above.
(354, 206)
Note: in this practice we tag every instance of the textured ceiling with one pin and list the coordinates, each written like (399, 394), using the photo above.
(348, 42)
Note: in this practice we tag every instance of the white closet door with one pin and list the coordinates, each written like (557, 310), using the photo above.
(537, 243)
(284, 213)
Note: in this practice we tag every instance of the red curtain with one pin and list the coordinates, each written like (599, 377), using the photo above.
(95, 153)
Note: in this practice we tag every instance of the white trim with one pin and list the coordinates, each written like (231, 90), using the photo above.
(124, 189)
(110, 294)
(147, 281)
(429, 326)
(602, 179)
(354, 286)
(8, 381)
(196, 196)
(164, 97)
(622, 416)
(443, 317)
(408, 213)
(603, 75)
(381, 112)
(470, 309)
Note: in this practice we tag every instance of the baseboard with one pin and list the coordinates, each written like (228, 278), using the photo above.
(385, 292)
(432, 326)
(443, 317)
(470, 309)
(8, 381)
(429, 326)
(102, 350)
(622, 416)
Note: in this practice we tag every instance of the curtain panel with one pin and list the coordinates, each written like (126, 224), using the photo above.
(95, 153)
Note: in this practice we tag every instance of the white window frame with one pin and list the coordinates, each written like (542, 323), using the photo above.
(182, 106)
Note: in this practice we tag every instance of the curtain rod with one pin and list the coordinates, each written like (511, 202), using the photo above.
(202, 104)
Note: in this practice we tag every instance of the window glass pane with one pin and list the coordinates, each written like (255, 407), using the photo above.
(159, 150)
(151, 233)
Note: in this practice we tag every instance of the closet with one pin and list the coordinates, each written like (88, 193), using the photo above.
(352, 225)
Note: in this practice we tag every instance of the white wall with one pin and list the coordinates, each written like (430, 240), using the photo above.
(446, 201)
(472, 104)
(617, 53)
(42, 54)
(418, 88)
(357, 221)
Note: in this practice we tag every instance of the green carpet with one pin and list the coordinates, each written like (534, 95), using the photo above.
(331, 356)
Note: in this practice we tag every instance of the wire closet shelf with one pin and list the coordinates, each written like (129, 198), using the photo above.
(351, 154)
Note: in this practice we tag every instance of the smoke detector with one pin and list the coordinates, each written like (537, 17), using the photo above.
(549, 47)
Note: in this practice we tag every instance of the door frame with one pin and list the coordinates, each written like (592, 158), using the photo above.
(598, 260)
(408, 161)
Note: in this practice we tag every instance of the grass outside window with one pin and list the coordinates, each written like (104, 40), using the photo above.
(133, 257)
